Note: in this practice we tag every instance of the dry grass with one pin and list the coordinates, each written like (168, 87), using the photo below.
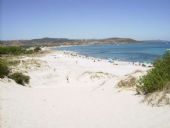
(28, 65)
(97, 75)
(128, 82)
(158, 98)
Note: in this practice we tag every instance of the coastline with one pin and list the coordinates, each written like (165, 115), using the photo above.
(71, 90)
(147, 64)
(129, 53)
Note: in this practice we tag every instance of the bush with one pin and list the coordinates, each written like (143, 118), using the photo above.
(20, 78)
(4, 70)
(37, 49)
(158, 77)
(14, 50)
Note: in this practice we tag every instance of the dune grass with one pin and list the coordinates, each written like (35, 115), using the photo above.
(6, 62)
(20, 78)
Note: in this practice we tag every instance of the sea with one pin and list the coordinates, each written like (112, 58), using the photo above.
(143, 51)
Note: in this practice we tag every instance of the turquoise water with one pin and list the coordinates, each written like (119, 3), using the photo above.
(143, 52)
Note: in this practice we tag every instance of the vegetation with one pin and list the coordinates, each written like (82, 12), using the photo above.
(20, 78)
(13, 62)
(64, 41)
(17, 50)
(130, 81)
(12, 50)
(6, 63)
(37, 49)
(4, 70)
(157, 78)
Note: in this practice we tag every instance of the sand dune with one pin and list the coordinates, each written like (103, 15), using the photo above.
(72, 91)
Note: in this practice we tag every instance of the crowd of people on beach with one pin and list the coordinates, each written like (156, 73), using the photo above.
(115, 62)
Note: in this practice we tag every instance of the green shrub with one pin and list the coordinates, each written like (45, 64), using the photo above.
(158, 77)
(20, 78)
(4, 70)
(14, 50)
(37, 49)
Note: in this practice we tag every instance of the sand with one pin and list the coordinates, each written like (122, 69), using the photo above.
(67, 90)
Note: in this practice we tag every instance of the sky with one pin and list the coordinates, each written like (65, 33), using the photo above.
(137, 19)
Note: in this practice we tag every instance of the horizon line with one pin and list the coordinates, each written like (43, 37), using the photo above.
(82, 38)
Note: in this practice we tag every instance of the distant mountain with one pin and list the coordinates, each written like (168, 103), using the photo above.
(64, 41)
(154, 41)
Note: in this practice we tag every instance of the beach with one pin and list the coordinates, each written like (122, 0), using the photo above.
(68, 90)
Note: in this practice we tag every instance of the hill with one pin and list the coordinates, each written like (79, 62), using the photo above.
(64, 41)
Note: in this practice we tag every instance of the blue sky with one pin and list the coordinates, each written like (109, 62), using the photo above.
(138, 19)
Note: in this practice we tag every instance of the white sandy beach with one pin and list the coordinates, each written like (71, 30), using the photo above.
(71, 91)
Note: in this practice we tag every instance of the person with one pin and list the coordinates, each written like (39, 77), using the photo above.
(67, 77)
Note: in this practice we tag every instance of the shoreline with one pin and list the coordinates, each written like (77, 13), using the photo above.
(95, 59)
(147, 64)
